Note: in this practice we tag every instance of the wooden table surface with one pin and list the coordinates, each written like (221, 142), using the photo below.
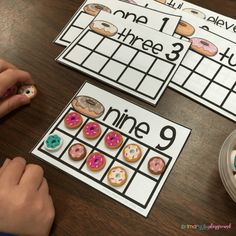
(193, 192)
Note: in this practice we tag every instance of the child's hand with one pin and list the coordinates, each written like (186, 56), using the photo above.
(10, 76)
(26, 208)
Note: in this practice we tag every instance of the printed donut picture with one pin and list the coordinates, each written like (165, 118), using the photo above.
(88, 106)
(185, 29)
(195, 12)
(161, 1)
(203, 46)
(104, 28)
(94, 8)
(129, 1)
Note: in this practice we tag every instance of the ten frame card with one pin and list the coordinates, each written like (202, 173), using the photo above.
(158, 20)
(134, 58)
(155, 135)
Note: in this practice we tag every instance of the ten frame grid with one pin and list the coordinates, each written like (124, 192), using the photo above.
(210, 81)
(95, 147)
(146, 78)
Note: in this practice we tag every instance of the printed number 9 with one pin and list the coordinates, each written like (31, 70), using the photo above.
(163, 135)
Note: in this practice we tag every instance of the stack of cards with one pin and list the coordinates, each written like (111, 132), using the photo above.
(227, 165)
(140, 47)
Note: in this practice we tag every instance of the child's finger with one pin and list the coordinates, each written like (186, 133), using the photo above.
(5, 163)
(12, 103)
(5, 65)
(10, 77)
(43, 188)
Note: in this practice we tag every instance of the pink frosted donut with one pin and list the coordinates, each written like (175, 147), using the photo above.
(203, 47)
(96, 161)
(73, 120)
(77, 152)
(92, 130)
(113, 139)
(156, 165)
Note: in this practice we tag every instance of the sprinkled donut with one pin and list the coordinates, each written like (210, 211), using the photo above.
(73, 120)
(117, 176)
(93, 9)
(195, 12)
(203, 47)
(77, 152)
(88, 106)
(156, 165)
(96, 161)
(92, 130)
(113, 139)
(185, 29)
(28, 90)
(132, 152)
(53, 142)
(10, 92)
(104, 28)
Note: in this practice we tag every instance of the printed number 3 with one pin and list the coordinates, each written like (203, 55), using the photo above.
(176, 52)
(170, 138)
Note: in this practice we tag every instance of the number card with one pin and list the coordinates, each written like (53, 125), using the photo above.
(219, 20)
(126, 55)
(158, 20)
(208, 72)
(113, 145)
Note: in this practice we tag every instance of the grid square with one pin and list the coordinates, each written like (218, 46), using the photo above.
(66, 141)
(140, 188)
(92, 142)
(150, 86)
(124, 54)
(208, 68)
(161, 69)
(226, 77)
(191, 59)
(112, 152)
(71, 34)
(144, 166)
(181, 75)
(71, 162)
(95, 62)
(131, 78)
(129, 171)
(230, 103)
(113, 69)
(83, 20)
(90, 39)
(77, 55)
(142, 61)
(196, 83)
(215, 93)
(133, 164)
(107, 47)
(97, 174)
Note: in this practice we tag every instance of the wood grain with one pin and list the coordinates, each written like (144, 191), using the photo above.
(192, 194)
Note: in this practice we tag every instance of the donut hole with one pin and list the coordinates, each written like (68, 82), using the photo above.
(105, 25)
(194, 12)
(91, 102)
(204, 43)
(98, 7)
(27, 91)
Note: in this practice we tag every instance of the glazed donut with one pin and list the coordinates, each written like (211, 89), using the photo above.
(195, 12)
(203, 47)
(132, 152)
(29, 90)
(104, 28)
(96, 161)
(117, 176)
(88, 106)
(92, 130)
(93, 9)
(77, 152)
(73, 120)
(113, 139)
(53, 142)
(185, 29)
(156, 165)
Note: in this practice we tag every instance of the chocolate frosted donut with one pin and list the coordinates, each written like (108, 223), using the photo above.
(93, 9)
(88, 106)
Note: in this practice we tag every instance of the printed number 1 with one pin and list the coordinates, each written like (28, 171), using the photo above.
(171, 138)
(165, 20)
